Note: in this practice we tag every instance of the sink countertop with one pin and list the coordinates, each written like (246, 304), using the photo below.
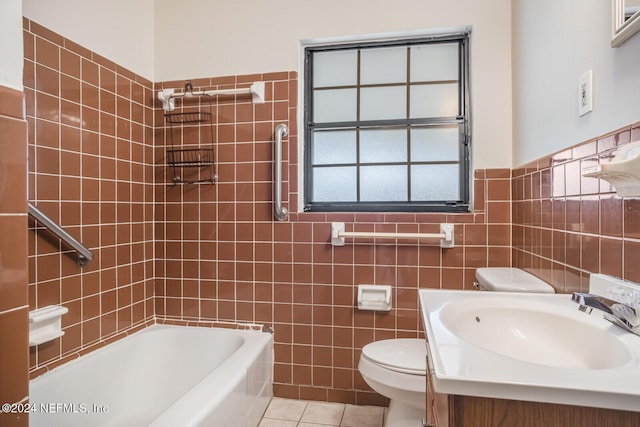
(461, 367)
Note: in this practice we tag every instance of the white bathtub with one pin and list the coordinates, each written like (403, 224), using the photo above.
(162, 376)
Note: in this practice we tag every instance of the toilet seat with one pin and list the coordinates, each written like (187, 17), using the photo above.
(404, 355)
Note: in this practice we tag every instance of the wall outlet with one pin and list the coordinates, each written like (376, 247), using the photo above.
(585, 93)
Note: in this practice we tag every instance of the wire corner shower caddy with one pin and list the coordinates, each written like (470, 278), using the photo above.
(191, 163)
(195, 160)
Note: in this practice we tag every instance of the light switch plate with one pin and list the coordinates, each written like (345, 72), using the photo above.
(585, 93)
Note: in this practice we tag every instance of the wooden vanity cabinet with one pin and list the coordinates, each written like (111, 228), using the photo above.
(437, 405)
(444, 410)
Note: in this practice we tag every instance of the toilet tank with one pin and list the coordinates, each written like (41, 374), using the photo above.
(509, 279)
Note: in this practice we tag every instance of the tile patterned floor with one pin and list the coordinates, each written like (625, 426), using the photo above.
(302, 413)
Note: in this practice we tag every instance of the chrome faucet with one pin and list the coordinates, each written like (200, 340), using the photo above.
(616, 312)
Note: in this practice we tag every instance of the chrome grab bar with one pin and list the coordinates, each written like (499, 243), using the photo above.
(84, 254)
(279, 210)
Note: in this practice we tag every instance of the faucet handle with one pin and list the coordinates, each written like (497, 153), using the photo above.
(625, 295)
(622, 312)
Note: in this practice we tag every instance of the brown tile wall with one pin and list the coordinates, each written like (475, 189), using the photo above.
(222, 257)
(90, 127)
(566, 226)
(219, 254)
(14, 353)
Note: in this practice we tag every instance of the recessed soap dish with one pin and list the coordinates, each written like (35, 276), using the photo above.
(623, 172)
(45, 324)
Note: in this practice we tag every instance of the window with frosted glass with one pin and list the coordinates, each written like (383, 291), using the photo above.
(387, 125)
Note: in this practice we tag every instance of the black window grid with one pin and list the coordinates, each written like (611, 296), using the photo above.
(461, 120)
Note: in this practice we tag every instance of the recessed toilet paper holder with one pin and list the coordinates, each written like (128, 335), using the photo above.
(374, 297)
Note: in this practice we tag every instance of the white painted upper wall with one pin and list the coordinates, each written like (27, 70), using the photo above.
(11, 44)
(202, 38)
(554, 43)
(170, 40)
(119, 30)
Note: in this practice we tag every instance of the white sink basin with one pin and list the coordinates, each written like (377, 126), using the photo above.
(534, 347)
(534, 334)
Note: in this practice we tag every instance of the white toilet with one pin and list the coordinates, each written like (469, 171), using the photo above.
(396, 368)
(508, 279)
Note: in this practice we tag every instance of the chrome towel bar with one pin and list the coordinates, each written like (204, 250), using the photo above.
(84, 254)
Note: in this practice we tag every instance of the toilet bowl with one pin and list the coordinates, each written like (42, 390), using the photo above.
(396, 368)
